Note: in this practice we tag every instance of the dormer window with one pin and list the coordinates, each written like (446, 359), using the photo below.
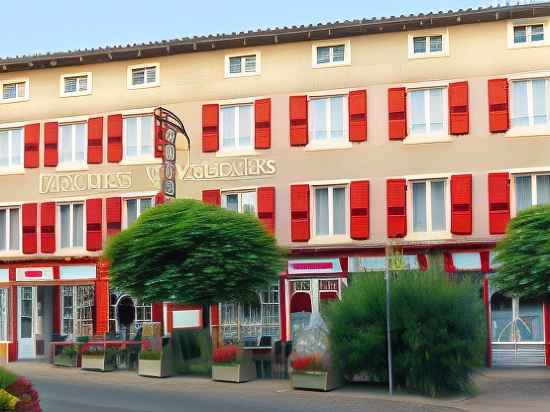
(14, 91)
(240, 65)
(77, 84)
(143, 76)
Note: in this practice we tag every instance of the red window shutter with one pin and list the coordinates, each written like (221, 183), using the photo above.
(210, 127)
(499, 120)
(448, 262)
(95, 140)
(114, 138)
(499, 202)
(298, 120)
(397, 113)
(113, 206)
(422, 262)
(396, 207)
(359, 209)
(262, 119)
(459, 117)
(94, 213)
(299, 210)
(29, 212)
(357, 102)
(32, 145)
(461, 204)
(51, 131)
(159, 139)
(212, 197)
(266, 207)
(47, 227)
(159, 198)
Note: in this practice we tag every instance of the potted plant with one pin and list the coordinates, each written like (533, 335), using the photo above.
(99, 358)
(312, 371)
(68, 356)
(154, 360)
(232, 364)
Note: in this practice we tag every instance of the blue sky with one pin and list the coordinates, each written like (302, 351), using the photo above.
(38, 26)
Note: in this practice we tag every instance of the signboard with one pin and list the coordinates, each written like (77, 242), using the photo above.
(185, 319)
(77, 272)
(315, 266)
(32, 274)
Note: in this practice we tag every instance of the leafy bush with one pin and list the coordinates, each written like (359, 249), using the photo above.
(150, 354)
(7, 401)
(225, 354)
(6, 378)
(437, 331)
(28, 396)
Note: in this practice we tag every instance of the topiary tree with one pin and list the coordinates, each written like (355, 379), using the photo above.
(524, 254)
(190, 252)
(438, 333)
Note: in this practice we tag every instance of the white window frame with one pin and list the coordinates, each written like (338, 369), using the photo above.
(528, 22)
(4, 315)
(16, 99)
(62, 79)
(428, 137)
(429, 233)
(73, 165)
(11, 168)
(237, 148)
(145, 85)
(138, 205)
(242, 55)
(534, 194)
(71, 218)
(240, 200)
(330, 142)
(347, 53)
(9, 251)
(139, 157)
(532, 126)
(428, 33)
(331, 235)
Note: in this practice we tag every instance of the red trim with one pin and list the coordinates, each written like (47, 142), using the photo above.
(282, 308)
(214, 315)
(56, 308)
(158, 313)
(448, 262)
(300, 302)
(171, 307)
(546, 312)
(12, 347)
(422, 262)
(486, 301)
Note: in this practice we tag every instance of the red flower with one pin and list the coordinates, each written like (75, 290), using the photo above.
(302, 362)
(225, 354)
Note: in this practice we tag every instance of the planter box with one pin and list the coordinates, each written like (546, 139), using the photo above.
(96, 363)
(154, 368)
(237, 373)
(318, 381)
(69, 362)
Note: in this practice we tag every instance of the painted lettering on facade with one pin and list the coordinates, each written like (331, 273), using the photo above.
(80, 182)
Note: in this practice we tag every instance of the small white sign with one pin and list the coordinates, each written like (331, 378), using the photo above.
(187, 318)
(314, 266)
(4, 275)
(76, 272)
(33, 274)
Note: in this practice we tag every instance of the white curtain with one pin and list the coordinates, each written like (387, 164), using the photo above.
(131, 211)
(66, 143)
(318, 120)
(14, 229)
(146, 135)
(438, 205)
(523, 192)
(228, 119)
(520, 116)
(144, 204)
(337, 117)
(436, 110)
(78, 225)
(321, 211)
(3, 227)
(245, 125)
(419, 207)
(539, 102)
(248, 200)
(130, 143)
(543, 189)
(79, 142)
(65, 217)
(4, 149)
(339, 210)
(418, 111)
(16, 146)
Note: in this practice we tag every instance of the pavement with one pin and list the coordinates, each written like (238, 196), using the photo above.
(66, 389)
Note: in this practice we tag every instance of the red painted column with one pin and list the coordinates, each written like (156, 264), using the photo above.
(282, 306)
(12, 350)
(546, 313)
(486, 302)
(102, 297)
(57, 309)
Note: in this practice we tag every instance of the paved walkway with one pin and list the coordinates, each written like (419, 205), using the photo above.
(502, 390)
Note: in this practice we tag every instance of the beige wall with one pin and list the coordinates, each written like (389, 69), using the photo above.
(477, 52)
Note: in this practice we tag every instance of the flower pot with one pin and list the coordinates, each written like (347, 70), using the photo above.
(65, 361)
(314, 380)
(238, 372)
(157, 368)
(96, 363)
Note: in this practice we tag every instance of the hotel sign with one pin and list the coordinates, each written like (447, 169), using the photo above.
(80, 182)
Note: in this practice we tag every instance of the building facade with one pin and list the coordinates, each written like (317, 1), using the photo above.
(427, 133)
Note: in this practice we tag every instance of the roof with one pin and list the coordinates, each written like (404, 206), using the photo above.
(275, 35)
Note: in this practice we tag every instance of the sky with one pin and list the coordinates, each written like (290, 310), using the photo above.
(39, 26)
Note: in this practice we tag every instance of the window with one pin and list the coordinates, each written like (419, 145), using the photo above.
(15, 90)
(243, 202)
(242, 65)
(71, 221)
(378, 263)
(10, 229)
(135, 207)
(467, 260)
(327, 55)
(428, 111)
(237, 126)
(530, 103)
(72, 144)
(531, 190)
(77, 84)
(67, 305)
(428, 45)
(144, 75)
(138, 137)
(429, 212)
(144, 313)
(528, 34)
(4, 314)
(328, 119)
(330, 210)
(11, 148)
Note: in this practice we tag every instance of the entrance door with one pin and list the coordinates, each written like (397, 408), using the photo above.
(27, 311)
(517, 331)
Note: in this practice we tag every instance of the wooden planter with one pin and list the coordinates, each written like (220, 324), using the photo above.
(157, 368)
(96, 363)
(239, 372)
(317, 381)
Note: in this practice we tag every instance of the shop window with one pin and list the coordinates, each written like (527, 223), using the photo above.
(13, 91)
(242, 65)
(467, 261)
(67, 305)
(144, 75)
(4, 331)
(531, 190)
(529, 103)
(516, 320)
(138, 137)
(328, 119)
(428, 112)
(71, 225)
(72, 144)
(429, 206)
(10, 229)
(11, 149)
(237, 125)
(135, 207)
(330, 210)
(77, 316)
(241, 202)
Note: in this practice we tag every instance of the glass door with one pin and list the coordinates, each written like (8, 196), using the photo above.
(27, 310)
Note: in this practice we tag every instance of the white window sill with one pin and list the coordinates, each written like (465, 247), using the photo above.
(12, 170)
(412, 139)
(76, 94)
(527, 131)
(71, 167)
(10, 253)
(15, 100)
(72, 251)
(140, 161)
(243, 74)
(329, 240)
(435, 55)
(315, 146)
(327, 65)
(143, 86)
(236, 153)
(429, 236)
(528, 45)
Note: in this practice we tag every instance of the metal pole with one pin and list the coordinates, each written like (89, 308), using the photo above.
(388, 321)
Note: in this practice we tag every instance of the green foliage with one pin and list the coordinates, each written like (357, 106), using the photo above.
(190, 252)
(192, 351)
(150, 354)
(524, 254)
(437, 330)
(7, 378)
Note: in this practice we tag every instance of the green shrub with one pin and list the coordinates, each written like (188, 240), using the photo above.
(150, 354)
(7, 378)
(437, 331)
